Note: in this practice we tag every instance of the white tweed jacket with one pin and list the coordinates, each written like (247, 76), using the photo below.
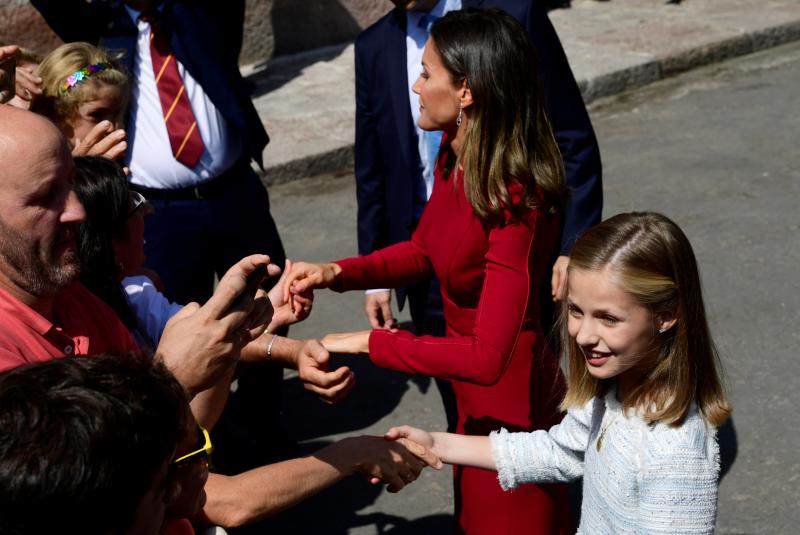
(640, 479)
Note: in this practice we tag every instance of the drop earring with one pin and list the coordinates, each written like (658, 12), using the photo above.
(460, 113)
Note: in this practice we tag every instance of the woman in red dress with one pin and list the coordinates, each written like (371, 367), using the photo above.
(489, 232)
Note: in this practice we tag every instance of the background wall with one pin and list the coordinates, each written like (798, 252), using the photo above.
(271, 27)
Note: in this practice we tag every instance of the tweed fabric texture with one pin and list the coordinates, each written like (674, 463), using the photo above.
(642, 479)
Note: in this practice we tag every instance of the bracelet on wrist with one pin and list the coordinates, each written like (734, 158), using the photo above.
(269, 346)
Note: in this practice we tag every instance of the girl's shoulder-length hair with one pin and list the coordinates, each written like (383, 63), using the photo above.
(651, 259)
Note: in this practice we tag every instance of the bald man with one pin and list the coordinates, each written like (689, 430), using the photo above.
(47, 314)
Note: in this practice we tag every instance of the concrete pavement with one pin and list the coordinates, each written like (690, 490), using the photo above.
(307, 101)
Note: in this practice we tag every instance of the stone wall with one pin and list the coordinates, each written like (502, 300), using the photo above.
(271, 27)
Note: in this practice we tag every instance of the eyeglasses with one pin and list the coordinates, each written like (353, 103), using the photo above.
(203, 453)
(138, 201)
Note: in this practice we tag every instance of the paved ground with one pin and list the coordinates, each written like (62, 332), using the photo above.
(307, 101)
(714, 149)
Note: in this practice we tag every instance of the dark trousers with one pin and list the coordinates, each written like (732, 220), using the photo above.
(188, 242)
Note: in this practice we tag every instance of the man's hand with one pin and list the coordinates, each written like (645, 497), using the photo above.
(313, 368)
(378, 308)
(396, 463)
(355, 343)
(200, 344)
(559, 281)
(102, 140)
(7, 79)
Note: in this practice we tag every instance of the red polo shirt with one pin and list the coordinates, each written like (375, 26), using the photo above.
(87, 326)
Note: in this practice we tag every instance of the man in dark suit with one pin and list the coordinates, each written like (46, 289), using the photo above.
(192, 131)
(393, 157)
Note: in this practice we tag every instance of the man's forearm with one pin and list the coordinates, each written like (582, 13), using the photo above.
(283, 353)
(238, 500)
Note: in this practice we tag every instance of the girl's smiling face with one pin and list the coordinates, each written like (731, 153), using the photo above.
(617, 335)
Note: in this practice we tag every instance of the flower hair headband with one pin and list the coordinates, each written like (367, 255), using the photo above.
(79, 76)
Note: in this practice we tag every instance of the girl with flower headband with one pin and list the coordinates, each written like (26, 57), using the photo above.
(85, 93)
(644, 395)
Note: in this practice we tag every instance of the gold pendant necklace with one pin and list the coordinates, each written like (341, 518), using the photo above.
(601, 436)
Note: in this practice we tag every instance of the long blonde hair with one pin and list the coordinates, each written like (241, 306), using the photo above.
(652, 260)
(508, 139)
(60, 105)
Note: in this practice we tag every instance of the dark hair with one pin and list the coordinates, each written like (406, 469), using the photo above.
(508, 138)
(81, 439)
(102, 188)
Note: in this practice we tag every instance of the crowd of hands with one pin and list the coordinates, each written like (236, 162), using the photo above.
(202, 344)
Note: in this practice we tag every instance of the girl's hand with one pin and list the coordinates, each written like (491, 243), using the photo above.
(420, 436)
(305, 277)
(355, 343)
(292, 311)
(102, 140)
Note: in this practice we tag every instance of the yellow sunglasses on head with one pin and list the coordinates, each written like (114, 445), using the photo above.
(204, 452)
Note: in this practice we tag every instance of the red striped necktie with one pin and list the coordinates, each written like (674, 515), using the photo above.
(184, 137)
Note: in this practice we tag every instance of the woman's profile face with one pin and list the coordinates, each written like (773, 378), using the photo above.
(439, 99)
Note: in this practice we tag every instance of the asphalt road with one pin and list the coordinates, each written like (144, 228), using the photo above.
(715, 150)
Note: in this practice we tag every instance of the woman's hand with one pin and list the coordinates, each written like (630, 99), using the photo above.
(305, 277)
(292, 310)
(102, 140)
(355, 343)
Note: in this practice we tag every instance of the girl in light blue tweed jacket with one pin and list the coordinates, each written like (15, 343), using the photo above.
(644, 395)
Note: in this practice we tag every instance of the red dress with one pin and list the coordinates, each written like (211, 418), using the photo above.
(494, 353)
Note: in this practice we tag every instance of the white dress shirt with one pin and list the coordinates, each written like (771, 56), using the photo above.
(149, 154)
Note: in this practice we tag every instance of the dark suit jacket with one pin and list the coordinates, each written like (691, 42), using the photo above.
(386, 156)
(195, 42)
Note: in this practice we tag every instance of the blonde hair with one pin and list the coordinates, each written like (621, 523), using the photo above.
(651, 260)
(61, 105)
(508, 139)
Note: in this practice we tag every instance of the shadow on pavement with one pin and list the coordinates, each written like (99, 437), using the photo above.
(377, 393)
(330, 513)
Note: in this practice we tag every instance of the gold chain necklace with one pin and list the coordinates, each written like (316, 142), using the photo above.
(601, 436)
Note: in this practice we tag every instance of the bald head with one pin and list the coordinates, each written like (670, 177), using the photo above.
(39, 212)
(22, 135)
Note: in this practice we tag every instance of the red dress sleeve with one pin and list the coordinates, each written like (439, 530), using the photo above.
(396, 266)
(482, 356)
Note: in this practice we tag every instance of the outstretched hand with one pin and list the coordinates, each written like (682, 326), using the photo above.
(420, 436)
(396, 463)
(200, 344)
(306, 277)
(313, 363)
(288, 311)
